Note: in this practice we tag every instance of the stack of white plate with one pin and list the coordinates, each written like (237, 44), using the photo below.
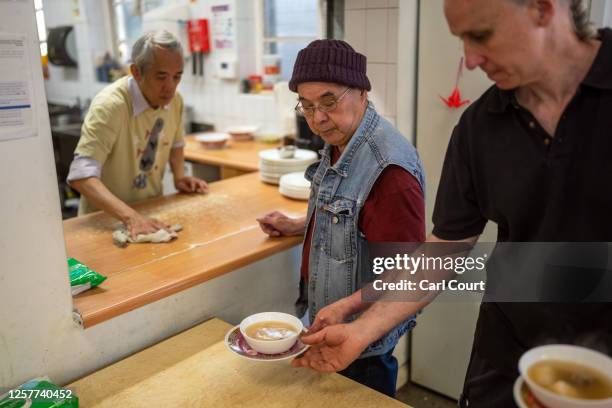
(272, 166)
(294, 185)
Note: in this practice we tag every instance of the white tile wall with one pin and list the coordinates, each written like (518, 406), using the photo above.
(391, 90)
(66, 84)
(354, 4)
(219, 101)
(354, 32)
(215, 101)
(392, 34)
(377, 3)
(377, 73)
(371, 27)
(376, 35)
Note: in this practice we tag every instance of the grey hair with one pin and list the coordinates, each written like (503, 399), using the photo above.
(583, 27)
(142, 50)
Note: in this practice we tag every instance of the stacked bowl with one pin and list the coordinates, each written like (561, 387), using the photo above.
(274, 163)
(294, 185)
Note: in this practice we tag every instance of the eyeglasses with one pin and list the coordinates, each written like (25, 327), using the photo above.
(328, 104)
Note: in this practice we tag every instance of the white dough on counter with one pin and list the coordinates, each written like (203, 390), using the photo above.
(121, 236)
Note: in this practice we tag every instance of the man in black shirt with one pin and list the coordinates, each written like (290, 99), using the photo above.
(533, 155)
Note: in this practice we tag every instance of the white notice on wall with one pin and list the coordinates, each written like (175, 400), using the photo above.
(223, 27)
(16, 108)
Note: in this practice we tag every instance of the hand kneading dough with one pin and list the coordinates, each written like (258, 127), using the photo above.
(121, 236)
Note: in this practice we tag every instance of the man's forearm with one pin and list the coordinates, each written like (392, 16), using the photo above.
(354, 304)
(381, 317)
(384, 314)
(100, 196)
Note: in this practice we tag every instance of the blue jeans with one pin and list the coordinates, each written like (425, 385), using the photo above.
(376, 372)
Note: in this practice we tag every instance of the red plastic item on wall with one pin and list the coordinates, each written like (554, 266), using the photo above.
(199, 38)
(199, 43)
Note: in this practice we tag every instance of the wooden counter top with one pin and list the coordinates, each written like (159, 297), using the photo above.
(242, 156)
(195, 369)
(219, 235)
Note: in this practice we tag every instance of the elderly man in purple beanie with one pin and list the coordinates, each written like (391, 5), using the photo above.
(531, 155)
(367, 187)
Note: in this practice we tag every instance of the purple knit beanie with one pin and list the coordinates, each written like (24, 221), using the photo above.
(330, 61)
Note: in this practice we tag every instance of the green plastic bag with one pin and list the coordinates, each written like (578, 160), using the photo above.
(82, 278)
(39, 393)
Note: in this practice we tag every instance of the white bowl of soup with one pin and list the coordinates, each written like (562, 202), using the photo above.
(565, 376)
(271, 332)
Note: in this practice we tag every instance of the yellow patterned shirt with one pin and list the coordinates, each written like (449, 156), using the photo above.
(130, 141)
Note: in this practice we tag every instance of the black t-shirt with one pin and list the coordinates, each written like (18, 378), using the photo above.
(502, 166)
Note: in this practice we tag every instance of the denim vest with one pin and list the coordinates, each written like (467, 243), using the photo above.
(338, 263)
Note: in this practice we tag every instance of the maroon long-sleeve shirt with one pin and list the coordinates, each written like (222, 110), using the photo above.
(393, 212)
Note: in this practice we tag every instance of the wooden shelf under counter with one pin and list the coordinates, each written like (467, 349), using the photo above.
(220, 234)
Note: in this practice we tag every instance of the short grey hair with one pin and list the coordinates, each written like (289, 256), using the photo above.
(142, 50)
(583, 27)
